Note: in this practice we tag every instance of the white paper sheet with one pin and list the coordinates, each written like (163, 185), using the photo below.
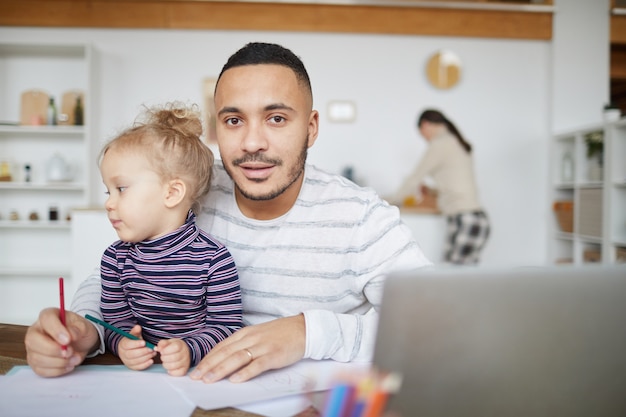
(303, 377)
(287, 406)
(91, 390)
(105, 391)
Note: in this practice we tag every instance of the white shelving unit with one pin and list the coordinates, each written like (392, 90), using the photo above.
(616, 196)
(599, 201)
(34, 253)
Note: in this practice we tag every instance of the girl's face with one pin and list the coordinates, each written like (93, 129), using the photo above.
(136, 195)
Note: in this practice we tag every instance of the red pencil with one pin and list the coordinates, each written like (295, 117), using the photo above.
(62, 305)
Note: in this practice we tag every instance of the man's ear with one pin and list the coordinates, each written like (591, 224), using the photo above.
(175, 193)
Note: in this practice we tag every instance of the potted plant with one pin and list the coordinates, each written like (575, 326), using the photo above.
(595, 144)
(595, 154)
(612, 112)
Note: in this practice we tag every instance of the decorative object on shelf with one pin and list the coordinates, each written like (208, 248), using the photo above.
(595, 154)
(27, 173)
(208, 89)
(567, 167)
(612, 112)
(58, 169)
(592, 256)
(14, 215)
(620, 254)
(589, 212)
(564, 210)
(52, 113)
(74, 112)
(53, 213)
(5, 171)
(78, 112)
(33, 215)
(62, 119)
(34, 107)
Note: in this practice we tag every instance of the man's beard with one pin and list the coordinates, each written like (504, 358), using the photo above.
(295, 173)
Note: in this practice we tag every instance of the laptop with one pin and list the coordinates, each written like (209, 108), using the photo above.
(509, 342)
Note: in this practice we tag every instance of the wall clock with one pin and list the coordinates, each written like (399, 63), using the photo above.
(443, 69)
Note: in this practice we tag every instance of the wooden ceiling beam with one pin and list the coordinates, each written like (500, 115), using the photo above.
(318, 17)
(618, 29)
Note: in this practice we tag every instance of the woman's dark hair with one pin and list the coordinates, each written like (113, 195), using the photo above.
(435, 116)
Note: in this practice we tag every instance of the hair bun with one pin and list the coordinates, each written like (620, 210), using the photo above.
(178, 116)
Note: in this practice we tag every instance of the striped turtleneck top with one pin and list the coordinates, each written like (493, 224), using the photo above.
(182, 285)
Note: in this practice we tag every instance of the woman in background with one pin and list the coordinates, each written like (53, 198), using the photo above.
(448, 161)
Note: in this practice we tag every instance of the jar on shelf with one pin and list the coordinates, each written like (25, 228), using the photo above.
(53, 213)
(5, 170)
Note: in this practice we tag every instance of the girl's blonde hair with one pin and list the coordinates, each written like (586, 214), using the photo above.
(170, 138)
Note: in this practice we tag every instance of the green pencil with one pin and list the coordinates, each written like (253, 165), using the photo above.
(116, 330)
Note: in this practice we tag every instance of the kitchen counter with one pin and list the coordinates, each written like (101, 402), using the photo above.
(428, 227)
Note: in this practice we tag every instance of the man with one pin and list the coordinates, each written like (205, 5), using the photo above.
(312, 249)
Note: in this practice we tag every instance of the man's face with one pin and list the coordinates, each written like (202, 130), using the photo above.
(265, 124)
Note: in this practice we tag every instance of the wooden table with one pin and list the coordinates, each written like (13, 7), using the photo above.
(13, 353)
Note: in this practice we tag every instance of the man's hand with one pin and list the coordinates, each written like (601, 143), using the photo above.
(175, 356)
(254, 350)
(45, 338)
(134, 353)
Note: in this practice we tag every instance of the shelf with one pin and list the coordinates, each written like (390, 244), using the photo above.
(43, 131)
(590, 239)
(591, 184)
(35, 224)
(564, 236)
(42, 186)
(50, 271)
(42, 49)
(572, 133)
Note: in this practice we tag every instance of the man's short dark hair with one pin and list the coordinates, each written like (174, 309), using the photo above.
(255, 53)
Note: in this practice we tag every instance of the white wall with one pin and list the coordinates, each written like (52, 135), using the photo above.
(581, 55)
(503, 105)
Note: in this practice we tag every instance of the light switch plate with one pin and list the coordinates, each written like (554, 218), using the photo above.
(342, 111)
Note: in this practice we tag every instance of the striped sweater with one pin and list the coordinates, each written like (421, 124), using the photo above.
(182, 285)
(326, 258)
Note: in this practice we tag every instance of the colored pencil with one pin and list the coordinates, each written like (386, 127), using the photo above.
(340, 401)
(116, 330)
(62, 305)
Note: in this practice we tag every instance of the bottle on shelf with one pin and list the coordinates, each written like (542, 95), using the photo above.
(567, 167)
(27, 173)
(78, 112)
(52, 112)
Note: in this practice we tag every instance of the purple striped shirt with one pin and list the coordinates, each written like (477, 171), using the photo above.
(182, 285)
